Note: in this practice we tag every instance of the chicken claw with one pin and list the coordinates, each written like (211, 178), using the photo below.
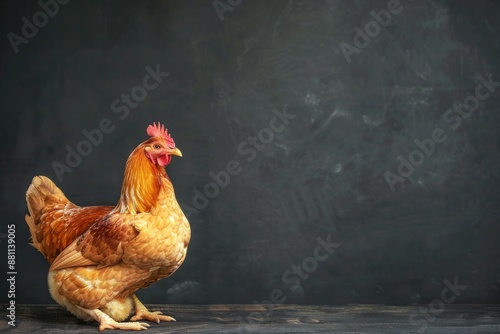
(132, 326)
(151, 316)
(106, 322)
(142, 313)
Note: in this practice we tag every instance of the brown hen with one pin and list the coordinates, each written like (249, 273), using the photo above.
(101, 255)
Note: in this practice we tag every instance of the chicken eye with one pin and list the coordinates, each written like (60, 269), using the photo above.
(156, 146)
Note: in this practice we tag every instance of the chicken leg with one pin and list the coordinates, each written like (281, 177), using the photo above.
(142, 313)
(105, 321)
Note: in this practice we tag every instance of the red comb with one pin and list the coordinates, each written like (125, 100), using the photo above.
(159, 130)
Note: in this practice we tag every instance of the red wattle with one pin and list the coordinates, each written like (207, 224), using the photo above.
(164, 160)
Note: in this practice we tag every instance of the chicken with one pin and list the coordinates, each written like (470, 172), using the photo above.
(100, 256)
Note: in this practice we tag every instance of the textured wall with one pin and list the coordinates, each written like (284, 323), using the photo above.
(360, 139)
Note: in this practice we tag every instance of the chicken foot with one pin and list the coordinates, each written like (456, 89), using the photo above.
(106, 322)
(142, 313)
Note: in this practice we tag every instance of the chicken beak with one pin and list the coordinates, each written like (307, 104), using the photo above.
(175, 151)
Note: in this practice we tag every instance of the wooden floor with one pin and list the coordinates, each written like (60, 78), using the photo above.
(351, 319)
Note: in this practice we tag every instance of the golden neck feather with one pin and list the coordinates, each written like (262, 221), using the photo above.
(142, 183)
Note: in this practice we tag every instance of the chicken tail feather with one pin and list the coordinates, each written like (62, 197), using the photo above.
(41, 191)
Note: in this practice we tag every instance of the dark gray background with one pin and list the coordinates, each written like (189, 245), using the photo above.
(322, 175)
